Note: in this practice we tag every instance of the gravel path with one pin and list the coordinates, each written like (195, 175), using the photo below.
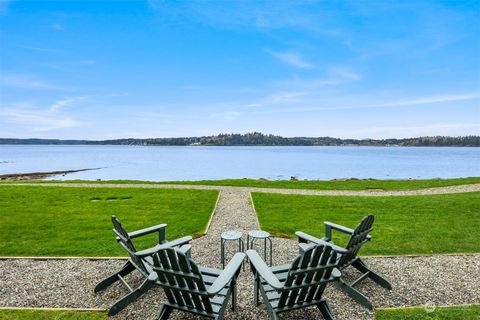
(438, 280)
(426, 191)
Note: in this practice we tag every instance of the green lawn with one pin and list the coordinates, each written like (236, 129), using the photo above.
(448, 223)
(59, 221)
(443, 313)
(307, 184)
(25, 314)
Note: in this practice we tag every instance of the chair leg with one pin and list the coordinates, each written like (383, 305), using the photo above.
(255, 291)
(362, 267)
(272, 314)
(126, 269)
(354, 294)
(326, 310)
(120, 304)
(164, 312)
(234, 294)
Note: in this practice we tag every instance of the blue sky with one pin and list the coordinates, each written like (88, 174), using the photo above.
(350, 69)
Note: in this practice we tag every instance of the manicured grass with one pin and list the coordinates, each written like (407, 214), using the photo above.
(443, 313)
(446, 223)
(305, 184)
(339, 185)
(59, 221)
(19, 314)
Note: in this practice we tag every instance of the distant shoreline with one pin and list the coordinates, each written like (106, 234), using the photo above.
(238, 145)
(259, 139)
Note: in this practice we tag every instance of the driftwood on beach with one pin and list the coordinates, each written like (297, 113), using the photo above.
(39, 175)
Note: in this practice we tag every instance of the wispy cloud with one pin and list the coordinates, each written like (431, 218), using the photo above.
(446, 129)
(157, 115)
(41, 49)
(322, 103)
(277, 98)
(291, 58)
(37, 120)
(24, 81)
(4, 6)
(60, 104)
(431, 99)
(57, 26)
(227, 115)
(334, 76)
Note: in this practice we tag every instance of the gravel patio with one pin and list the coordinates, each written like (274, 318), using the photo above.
(68, 283)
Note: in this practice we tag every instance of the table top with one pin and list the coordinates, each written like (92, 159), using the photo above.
(259, 234)
(231, 235)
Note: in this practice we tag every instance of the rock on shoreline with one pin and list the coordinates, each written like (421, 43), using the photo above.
(39, 175)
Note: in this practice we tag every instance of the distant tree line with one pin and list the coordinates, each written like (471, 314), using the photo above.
(260, 139)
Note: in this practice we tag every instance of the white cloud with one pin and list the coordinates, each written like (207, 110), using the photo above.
(37, 120)
(328, 103)
(436, 129)
(23, 81)
(334, 76)
(291, 58)
(57, 26)
(57, 105)
(277, 98)
(431, 99)
(227, 115)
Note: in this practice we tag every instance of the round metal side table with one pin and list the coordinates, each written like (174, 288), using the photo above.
(230, 235)
(259, 234)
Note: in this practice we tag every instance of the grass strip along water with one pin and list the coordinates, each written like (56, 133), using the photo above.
(60, 221)
(434, 224)
(367, 184)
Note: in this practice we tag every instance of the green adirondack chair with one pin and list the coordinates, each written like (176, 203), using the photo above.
(195, 289)
(141, 261)
(296, 285)
(348, 256)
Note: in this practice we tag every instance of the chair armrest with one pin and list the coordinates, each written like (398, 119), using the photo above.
(158, 247)
(336, 274)
(185, 249)
(259, 267)
(160, 228)
(330, 225)
(305, 246)
(230, 271)
(306, 237)
(338, 227)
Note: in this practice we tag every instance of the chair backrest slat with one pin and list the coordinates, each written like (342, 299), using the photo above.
(126, 243)
(312, 268)
(288, 282)
(184, 266)
(328, 258)
(358, 238)
(162, 278)
(308, 277)
(182, 280)
(170, 279)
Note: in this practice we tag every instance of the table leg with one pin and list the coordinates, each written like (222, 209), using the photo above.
(222, 254)
(265, 249)
(270, 240)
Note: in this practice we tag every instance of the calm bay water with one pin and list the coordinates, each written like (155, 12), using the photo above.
(196, 163)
